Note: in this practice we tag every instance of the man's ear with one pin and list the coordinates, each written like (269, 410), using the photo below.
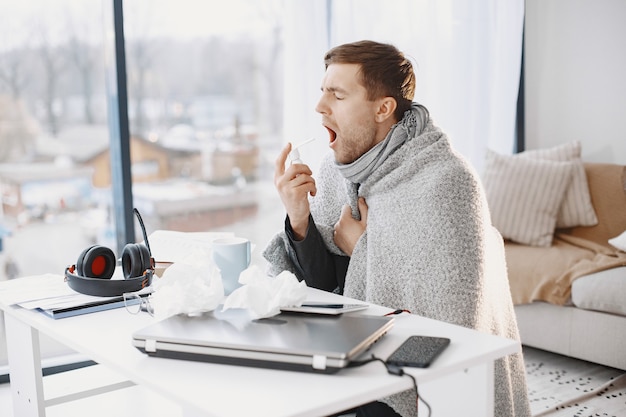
(386, 108)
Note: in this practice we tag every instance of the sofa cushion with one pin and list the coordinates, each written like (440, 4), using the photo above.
(607, 185)
(602, 291)
(576, 208)
(524, 196)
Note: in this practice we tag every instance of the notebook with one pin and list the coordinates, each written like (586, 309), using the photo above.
(288, 341)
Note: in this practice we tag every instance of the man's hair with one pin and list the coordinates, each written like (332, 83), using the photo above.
(385, 71)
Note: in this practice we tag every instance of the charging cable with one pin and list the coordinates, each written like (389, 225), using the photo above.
(395, 370)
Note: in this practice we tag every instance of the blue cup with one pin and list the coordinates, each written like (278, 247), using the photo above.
(232, 256)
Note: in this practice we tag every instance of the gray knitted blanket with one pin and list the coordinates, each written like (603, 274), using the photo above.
(429, 247)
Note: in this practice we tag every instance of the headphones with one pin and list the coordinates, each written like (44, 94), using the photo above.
(95, 266)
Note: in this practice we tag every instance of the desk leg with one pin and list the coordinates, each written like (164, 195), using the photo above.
(467, 393)
(24, 368)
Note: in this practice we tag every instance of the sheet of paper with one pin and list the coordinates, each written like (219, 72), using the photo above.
(65, 301)
(33, 288)
(46, 292)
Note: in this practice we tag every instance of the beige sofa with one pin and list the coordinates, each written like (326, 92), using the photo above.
(570, 297)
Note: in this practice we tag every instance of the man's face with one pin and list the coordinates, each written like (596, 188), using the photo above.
(346, 113)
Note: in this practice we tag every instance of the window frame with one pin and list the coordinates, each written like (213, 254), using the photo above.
(119, 130)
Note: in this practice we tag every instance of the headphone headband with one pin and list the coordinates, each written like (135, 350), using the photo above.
(105, 287)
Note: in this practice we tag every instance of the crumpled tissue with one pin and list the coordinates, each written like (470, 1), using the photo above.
(263, 296)
(191, 286)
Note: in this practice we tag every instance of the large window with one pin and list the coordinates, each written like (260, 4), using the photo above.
(205, 90)
(205, 114)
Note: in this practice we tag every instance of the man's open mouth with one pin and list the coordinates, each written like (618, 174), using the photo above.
(332, 134)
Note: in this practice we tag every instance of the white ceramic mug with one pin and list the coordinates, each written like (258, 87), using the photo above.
(232, 256)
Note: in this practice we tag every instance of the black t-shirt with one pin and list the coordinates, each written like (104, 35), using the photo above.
(318, 267)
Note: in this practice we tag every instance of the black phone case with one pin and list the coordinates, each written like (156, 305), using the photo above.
(418, 351)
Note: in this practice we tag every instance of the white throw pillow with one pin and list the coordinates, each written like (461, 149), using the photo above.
(619, 242)
(524, 196)
(576, 209)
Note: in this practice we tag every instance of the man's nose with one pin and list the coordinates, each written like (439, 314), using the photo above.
(321, 106)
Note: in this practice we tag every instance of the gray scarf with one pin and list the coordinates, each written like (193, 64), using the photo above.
(411, 125)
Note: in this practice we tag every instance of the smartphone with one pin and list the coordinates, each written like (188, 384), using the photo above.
(418, 351)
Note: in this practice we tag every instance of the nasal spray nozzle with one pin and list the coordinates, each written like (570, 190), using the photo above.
(294, 155)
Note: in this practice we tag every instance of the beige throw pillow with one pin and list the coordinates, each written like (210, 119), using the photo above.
(576, 208)
(524, 196)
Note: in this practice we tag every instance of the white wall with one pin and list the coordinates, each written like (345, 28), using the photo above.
(575, 76)
(466, 56)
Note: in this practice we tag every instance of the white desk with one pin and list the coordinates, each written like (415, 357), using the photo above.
(464, 370)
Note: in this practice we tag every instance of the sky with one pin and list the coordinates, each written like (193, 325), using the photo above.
(183, 19)
(193, 18)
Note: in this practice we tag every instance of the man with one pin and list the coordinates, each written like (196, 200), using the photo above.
(396, 217)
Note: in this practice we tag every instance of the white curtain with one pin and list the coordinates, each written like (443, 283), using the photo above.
(467, 56)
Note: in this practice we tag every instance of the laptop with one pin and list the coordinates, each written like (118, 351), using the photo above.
(288, 341)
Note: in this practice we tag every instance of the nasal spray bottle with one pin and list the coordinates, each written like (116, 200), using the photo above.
(294, 155)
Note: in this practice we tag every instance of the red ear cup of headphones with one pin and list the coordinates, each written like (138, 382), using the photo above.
(96, 262)
(136, 260)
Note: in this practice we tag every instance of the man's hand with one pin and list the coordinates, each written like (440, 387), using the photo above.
(294, 184)
(348, 230)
